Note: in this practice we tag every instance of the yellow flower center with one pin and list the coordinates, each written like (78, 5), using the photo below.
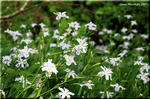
(48, 72)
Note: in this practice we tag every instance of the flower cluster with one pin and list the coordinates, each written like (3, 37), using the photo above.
(69, 47)
(144, 70)
(14, 34)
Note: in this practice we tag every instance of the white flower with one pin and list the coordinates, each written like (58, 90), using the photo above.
(140, 58)
(109, 31)
(61, 15)
(14, 49)
(78, 49)
(26, 51)
(100, 40)
(41, 47)
(130, 36)
(13, 55)
(67, 51)
(124, 30)
(52, 45)
(38, 82)
(105, 30)
(33, 51)
(82, 47)
(112, 44)
(41, 97)
(45, 31)
(56, 32)
(91, 26)
(37, 63)
(102, 92)
(69, 30)
(144, 36)
(49, 67)
(107, 72)
(115, 61)
(140, 49)
(7, 60)
(134, 30)
(27, 41)
(117, 87)
(64, 45)
(82, 41)
(128, 16)
(74, 25)
(46, 34)
(21, 62)
(3, 68)
(92, 43)
(144, 70)
(3, 93)
(123, 53)
(23, 26)
(42, 25)
(28, 34)
(69, 60)
(116, 34)
(144, 77)
(137, 63)
(22, 80)
(101, 33)
(133, 23)
(71, 73)
(14, 34)
(103, 48)
(74, 33)
(126, 37)
(64, 93)
(88, 84)
(146, 67)
(126, 44)
(33, 24)
(108, 94)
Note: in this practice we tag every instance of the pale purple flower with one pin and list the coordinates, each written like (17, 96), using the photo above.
(69, 60)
